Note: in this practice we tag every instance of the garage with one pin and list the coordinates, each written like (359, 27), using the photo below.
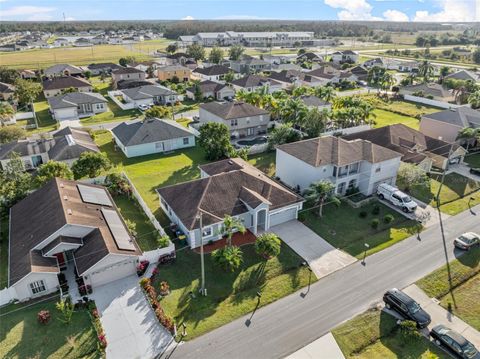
(113, 272)
(282, 216)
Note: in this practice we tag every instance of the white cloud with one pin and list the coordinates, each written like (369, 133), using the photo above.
(451, 10)
(395, 15)
(27, 12)
(242, 17)
(188, 18)
(70, 18)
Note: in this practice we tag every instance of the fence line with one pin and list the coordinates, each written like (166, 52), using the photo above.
(123, 106)
(430, 102)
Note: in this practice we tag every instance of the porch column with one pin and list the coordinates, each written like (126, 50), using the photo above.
(254, 224)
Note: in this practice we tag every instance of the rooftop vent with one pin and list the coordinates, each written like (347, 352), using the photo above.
(69, 211)
(61, 185)
(70, 140)
(65, 198)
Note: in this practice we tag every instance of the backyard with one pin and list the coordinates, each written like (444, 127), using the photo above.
(473, 160)
(345, 229)
(387, 118)
(375, 335)
(22, 336)
(230, 294)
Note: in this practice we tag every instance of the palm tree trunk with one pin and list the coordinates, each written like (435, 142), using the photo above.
(320, 208)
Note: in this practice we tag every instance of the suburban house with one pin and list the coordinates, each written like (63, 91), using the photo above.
(313, 101)
(139, 138)
(360, 73)
(251, 83)
(242, 119)
(211, 89)
(228, 187)
(28, 74)
(67, 225)
(446, 124)
(63, 70)
(276, 59)
(128, 84)
(127, 73)
(56, 85)
(250, 65)
(329, 75)
(408, 66)
(346, 56)
(432, 91)
(76, 105)
(310, 57)
(149, 95)
(212, 73)
(104, 67)
(464, 75)
(65, 145)
(61, 41)
(377, 61)
(178, 58)
(424, 151)
(289, 78)
(6, 91)
(145, 65)
(347, 164)
(172, 72)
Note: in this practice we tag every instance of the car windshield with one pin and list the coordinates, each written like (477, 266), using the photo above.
(413, 307)
(406, 199)
(467, 240)
(469, 350)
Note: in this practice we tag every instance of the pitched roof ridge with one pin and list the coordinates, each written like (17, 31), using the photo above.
(205, 190)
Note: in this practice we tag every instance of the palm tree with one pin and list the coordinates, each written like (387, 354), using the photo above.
(293, 110)
(386, 81)
(300, 91)
(474, 99)
(319, 192)
(425, 70)
(326, 93)
(468, 134)
(231, 225)
(6, 112)
(460, 93)
(315, 121)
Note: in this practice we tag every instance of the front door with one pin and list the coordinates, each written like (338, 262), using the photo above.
(262, 219)
(37, 160)
(61, 261)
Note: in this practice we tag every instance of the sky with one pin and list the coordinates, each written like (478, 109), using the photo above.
(389, 10)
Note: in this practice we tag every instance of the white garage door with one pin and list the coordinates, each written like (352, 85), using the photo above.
(113, 272)
(283, 216)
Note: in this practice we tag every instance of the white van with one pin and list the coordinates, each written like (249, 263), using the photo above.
(396, 197)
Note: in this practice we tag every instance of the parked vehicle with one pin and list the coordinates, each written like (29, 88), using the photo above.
(475, 171)
(467, 241)
(455, 343)
(143, 107)
(396, 197)
(398, 301)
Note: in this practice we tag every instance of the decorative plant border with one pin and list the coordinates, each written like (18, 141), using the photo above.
(152, 298)
(97, 324)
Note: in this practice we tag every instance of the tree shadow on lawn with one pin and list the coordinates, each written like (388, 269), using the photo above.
(470, 259)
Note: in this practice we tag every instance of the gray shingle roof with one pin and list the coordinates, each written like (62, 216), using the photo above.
(70, 143)
(148, 131)
(74, 99)
(147, 91)
(313, 101)
(254, 81)
(230, 110)
(126, 70)
(64, 82)
(6, 88)
(61, 68)
(428, 89)
(463, 75)
(460, 116)
(207, 86)
(213, 70)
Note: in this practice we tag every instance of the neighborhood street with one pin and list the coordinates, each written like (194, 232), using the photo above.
(283, 327)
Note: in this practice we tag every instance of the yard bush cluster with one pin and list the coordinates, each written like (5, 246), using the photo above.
(152, 297)
(268, 245)
(43, 316)
(118, 184)
(97, 324)
(375, 222)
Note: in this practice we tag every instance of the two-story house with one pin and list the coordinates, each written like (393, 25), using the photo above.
(174, 72)
(242, 119)
(127, 73)
(347, 164)
(250, 65)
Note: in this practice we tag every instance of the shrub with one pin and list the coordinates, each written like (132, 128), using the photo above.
(363, 214)
(229, 258)
(164, 288)
(388, 218)
(117, 184)
(268, 245)
(408, 329)
(65, 307)
(163, 241)
(375, 222)
(376, 209)
(144, 282)
(43, 316)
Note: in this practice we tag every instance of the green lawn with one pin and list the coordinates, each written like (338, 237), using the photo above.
(3, 250)
(405, 108)
(375, 335)
(463, 298)
(344, 229)
(473, 160)
(386, 118)
(455, 195)
(230, 295)
(265, 162)
(21, 336)
(45, 121)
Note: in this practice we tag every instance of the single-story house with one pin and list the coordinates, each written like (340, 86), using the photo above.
(212, 73)
(67, 224)
(251, 83)
(76, 105)
(289, 78)
(127, 73)
(408, 66)
(346, 56)
(377, 61)
(211, 89)
(310, 57)
(360, 73)
(139, 138)
(149, 95)
(464, 75)
(250, 65)
(424, 151)
(346, 164)
(28, 74)
(432, 91)
(6, 91)
(313, 101)
(328, 75)
(65, 145)
(63, 70)
(242, 119)
(104, 67)
(56, 85)
(446, 124)
(128, 84)
(228, 187)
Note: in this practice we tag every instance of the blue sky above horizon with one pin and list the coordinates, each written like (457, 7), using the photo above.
(390, 10)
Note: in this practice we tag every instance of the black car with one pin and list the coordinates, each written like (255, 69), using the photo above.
(453, 342)
(404, 305)
(475, 171)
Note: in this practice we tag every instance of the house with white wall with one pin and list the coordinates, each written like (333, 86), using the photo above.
(345, 56)
(211, 89)
(149, 95)
(76, 105)
(57, 85)
(213, 73)
(347, 164)
(251, 83)
(229, 187)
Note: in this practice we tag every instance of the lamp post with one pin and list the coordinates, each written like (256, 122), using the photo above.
(305, 264)
(202, 260)
(184, 331)
(470, 201)
(259, 295)
(365, 253)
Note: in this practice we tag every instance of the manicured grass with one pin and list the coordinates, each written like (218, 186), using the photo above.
(21, 336)
(45, 121)
(3, 250)
(386, 118)
(146, 233)
(465, 286)
(405, 108)
(265, 162)
(455, 194)
(230, 295)
(343, 228)
(374, 334)
(473, 160)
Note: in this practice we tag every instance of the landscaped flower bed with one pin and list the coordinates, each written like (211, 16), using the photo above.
(142, 267)
(152, 298)
(97, 324)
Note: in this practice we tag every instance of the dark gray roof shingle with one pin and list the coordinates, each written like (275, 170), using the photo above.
(460, 116)
(231, 110)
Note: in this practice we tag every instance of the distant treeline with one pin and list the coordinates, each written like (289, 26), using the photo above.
(172, 29)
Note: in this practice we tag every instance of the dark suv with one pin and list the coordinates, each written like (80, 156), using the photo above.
(404, 305)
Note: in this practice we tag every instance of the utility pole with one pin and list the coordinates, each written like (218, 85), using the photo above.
(202, 260)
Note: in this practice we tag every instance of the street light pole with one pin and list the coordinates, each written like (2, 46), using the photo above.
(202, 260)
(365, 253)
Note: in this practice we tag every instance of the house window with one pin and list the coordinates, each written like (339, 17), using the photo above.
(207, 232)
(38, 287)
(353, 168)
(341, 188)
(159, 146)
(186, 140)
(234, 122)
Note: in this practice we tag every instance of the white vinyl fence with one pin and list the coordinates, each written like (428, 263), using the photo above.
(153, 256)
(7, 295)
(429, 102)
(23, 115)
(348, 130)
(123, 106)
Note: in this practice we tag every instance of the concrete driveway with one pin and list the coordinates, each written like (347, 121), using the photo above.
(130, 325)
(321, 256)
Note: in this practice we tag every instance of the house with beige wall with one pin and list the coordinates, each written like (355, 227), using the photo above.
(167, 73)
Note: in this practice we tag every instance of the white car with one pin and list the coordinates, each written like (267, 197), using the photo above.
(467, 240)
(396, 197)
(143, 107)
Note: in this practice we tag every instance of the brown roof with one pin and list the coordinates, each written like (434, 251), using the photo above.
(230, 110)
(226, 191)
(61, 239)
(328, 150)
(45, 211)
(57, 83)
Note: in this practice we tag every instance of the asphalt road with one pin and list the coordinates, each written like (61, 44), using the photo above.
(283, 327)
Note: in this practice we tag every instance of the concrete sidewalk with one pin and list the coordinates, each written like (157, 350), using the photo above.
(324, 347)
(441, 316)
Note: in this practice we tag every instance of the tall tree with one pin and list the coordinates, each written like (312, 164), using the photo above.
(172, 48)
(26, 91)
(425, 70)
(90, 164)
(469, 134)
(283, 133)
(326, 93)
(319, 192)
(230, 226)
(214, 138)
(216, 55)
(474, 99)
(15, 183)
(386, 81)
(11, 133)
(8, 75)
(196, 52)
(235, 52)
(316, 121)
(6, 113)
(53, 169)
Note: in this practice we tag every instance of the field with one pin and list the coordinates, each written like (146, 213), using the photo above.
(386, 118)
